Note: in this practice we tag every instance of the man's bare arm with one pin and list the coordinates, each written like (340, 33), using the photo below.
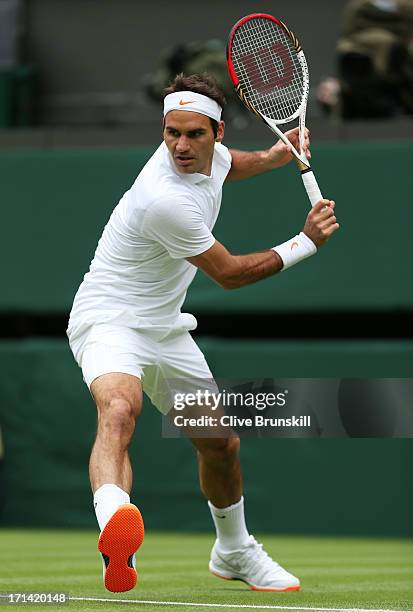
(234, 271)
(246, 164)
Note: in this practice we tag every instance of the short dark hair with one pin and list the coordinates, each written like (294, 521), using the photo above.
(204, 84)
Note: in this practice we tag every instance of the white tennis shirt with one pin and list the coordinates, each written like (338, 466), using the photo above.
(139, 275)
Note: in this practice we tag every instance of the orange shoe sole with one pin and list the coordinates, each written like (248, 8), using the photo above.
(119, 540)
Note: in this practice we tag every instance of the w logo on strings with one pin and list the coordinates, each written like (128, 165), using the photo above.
(269, 68)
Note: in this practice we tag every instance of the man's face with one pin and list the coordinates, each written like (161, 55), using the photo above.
(190, 140)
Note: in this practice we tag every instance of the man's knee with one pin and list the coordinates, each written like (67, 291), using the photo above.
(117, 416)
(118, 400)
(118, 413)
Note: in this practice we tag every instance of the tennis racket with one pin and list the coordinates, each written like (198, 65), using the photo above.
(269, 71)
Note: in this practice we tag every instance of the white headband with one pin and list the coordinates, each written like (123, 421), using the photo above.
(194, 102)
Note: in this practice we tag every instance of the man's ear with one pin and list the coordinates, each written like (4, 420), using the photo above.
(220, 132)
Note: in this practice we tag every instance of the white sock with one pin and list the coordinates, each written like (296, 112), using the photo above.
(107, 500)
(230, 525)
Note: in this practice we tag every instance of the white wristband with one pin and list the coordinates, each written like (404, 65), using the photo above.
(295, 249)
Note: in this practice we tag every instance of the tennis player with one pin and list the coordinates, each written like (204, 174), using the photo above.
(128, 334)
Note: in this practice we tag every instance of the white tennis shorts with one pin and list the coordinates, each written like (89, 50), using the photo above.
(158, 358)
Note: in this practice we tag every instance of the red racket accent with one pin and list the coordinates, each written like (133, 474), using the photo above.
(231, 70)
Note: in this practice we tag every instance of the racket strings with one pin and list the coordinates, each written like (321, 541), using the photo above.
(268, 68)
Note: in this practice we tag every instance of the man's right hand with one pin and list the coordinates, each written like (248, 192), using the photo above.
(321, 222)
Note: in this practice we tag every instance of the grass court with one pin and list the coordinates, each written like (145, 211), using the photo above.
(339, 573)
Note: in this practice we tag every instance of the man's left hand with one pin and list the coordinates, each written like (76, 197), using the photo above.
(281, 154)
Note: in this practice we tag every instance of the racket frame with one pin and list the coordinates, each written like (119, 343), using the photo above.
(300, 113)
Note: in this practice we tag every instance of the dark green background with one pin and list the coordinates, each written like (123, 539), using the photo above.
(56, 202)
(347, 486)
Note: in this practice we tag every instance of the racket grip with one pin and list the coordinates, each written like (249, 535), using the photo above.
(311, 186)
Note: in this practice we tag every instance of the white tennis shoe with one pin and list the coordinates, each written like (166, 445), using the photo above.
(252, 565)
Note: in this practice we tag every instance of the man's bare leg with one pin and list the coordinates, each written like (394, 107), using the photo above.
(221, 482)
(235, 555)
(219, 470)
(118, 400)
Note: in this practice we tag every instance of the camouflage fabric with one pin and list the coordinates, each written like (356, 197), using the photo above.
(375, 58)
(395, 16)
(191, 58)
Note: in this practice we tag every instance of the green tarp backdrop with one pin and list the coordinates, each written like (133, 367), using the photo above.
(55, 204)
(345, 486)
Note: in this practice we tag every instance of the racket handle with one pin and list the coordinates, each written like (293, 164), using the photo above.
(311, 186)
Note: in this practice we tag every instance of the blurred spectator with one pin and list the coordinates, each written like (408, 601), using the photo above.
(10, 33)
(374, 61)
(191, 58)
(18, 81)
(195, 58)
